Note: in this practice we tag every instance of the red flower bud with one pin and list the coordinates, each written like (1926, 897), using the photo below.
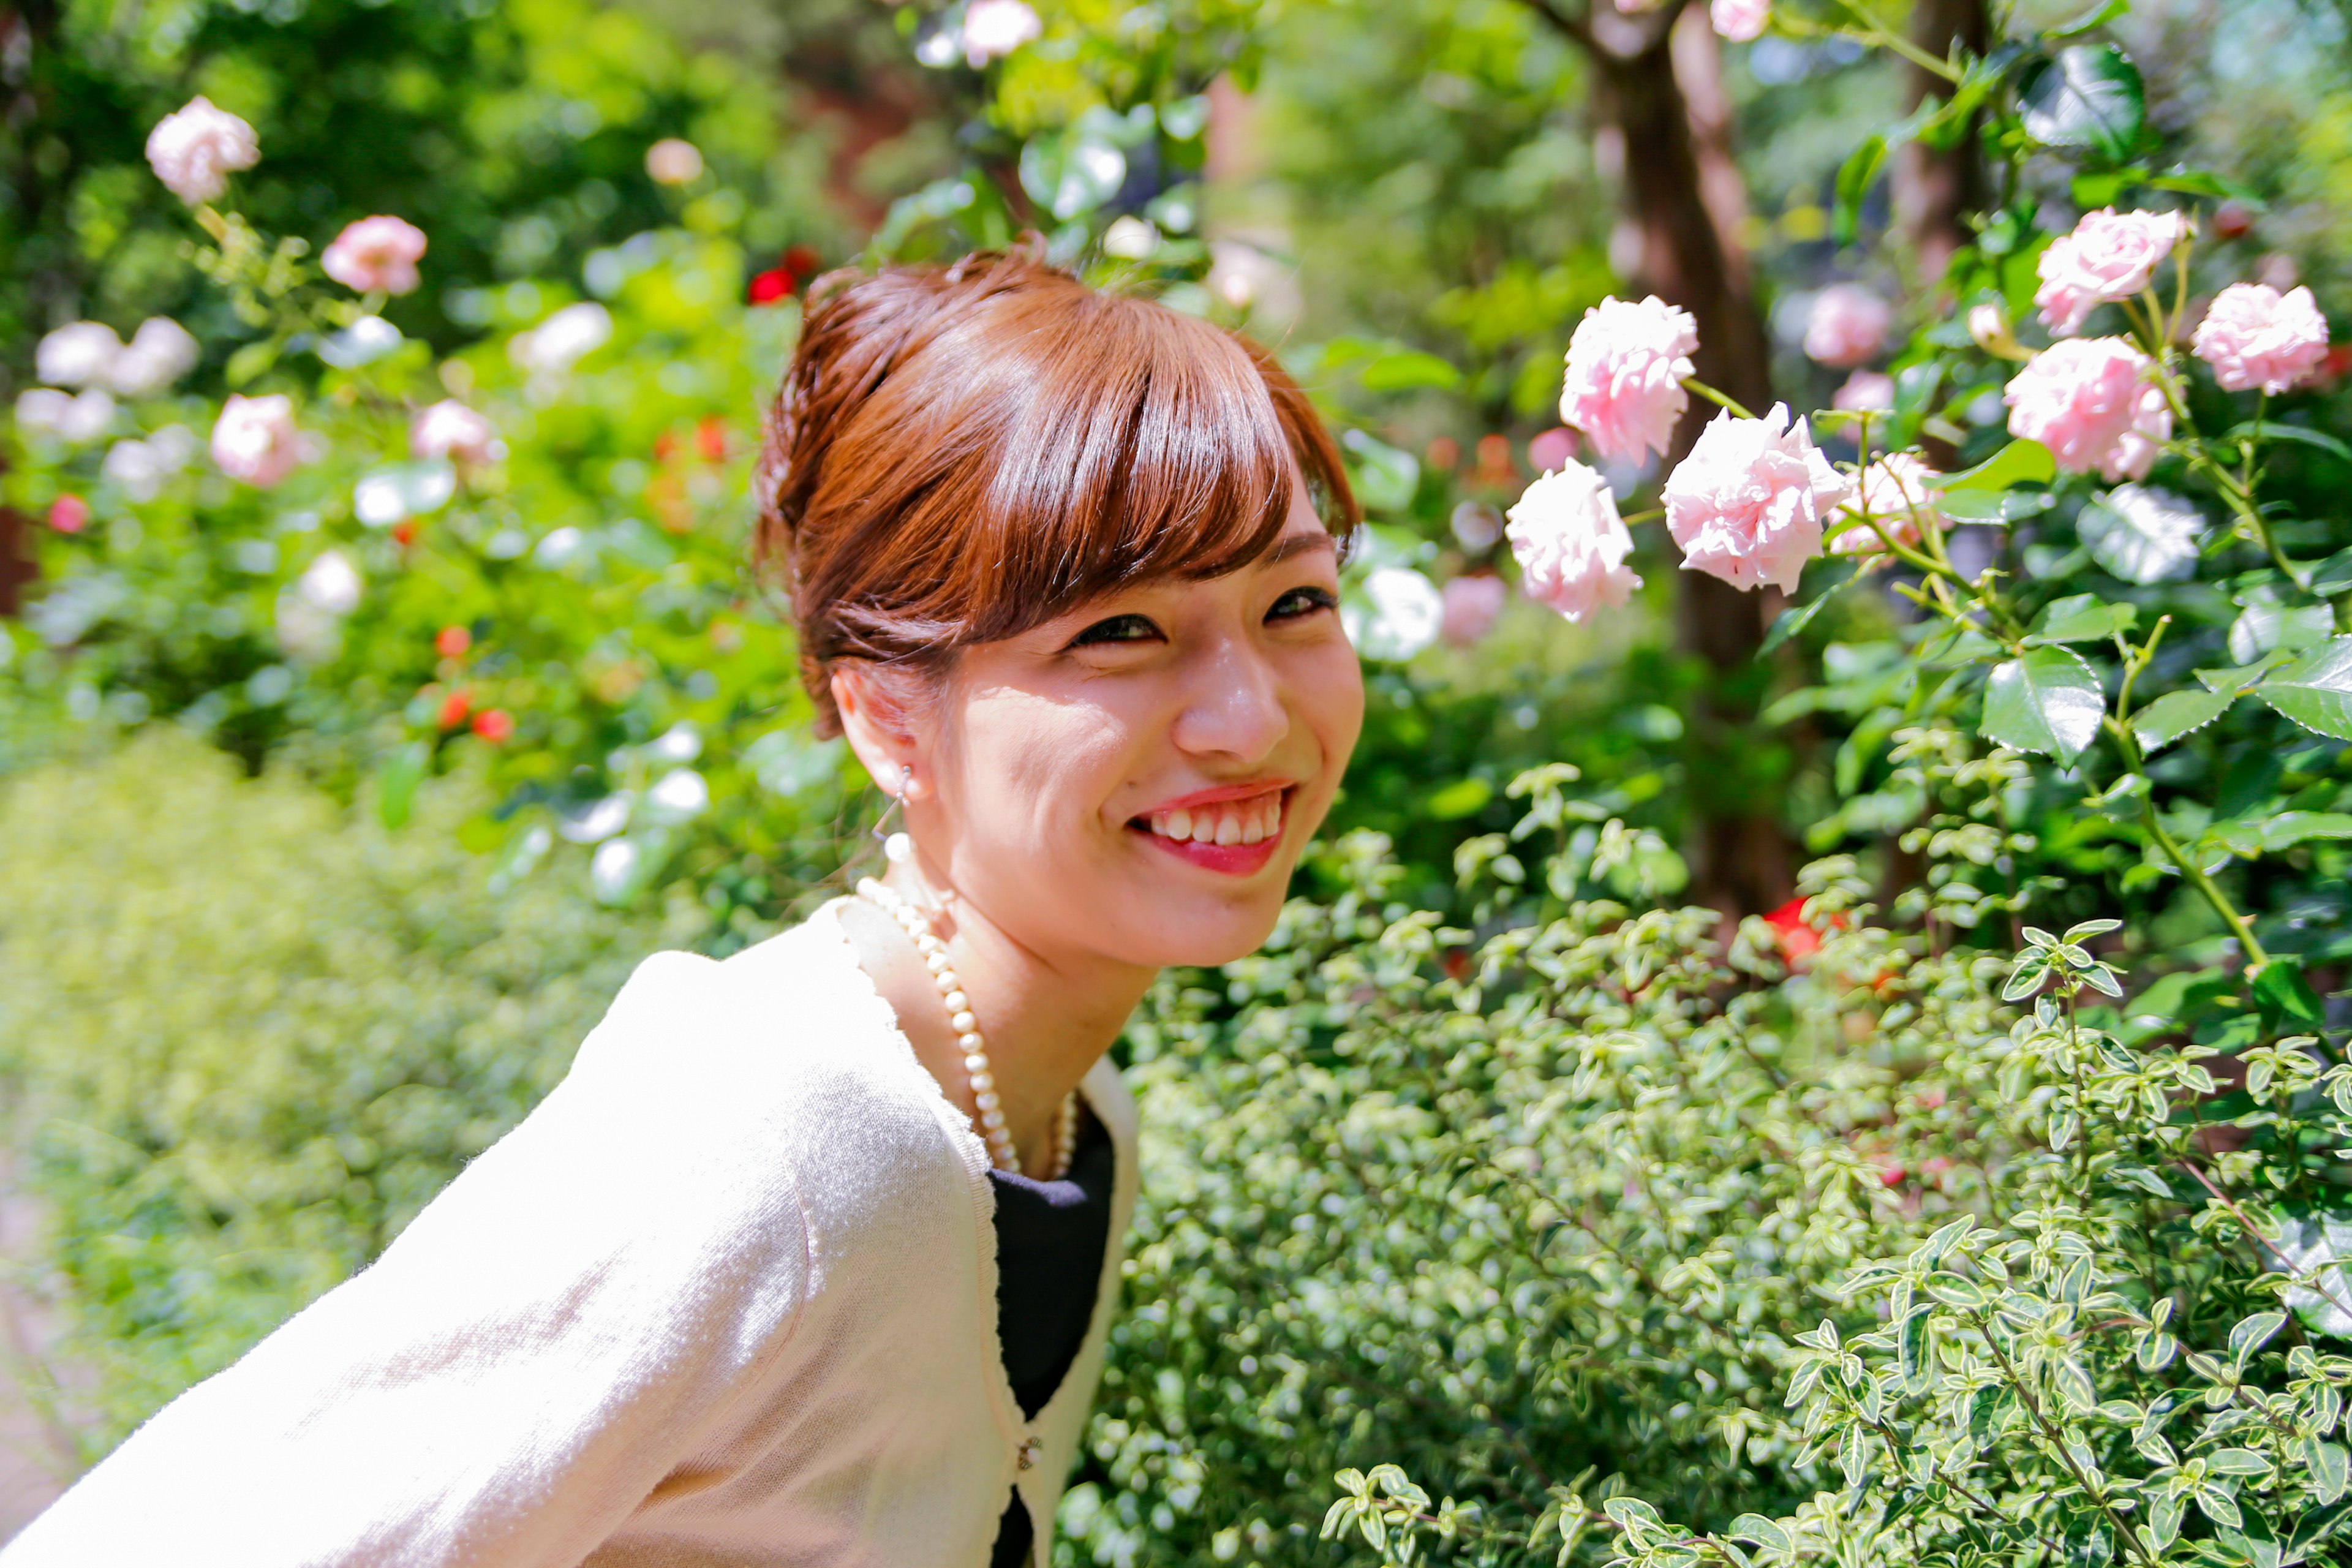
(454, 708)
(710, 435)
(800, 260)
(405, 531)
(771, 286)
(493, 724)
(70, 514)
(451, 642)
(2232, 220)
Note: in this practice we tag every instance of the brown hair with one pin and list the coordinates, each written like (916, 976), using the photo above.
(958, 454)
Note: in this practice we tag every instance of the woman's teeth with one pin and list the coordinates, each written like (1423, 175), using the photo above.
(1251, 820)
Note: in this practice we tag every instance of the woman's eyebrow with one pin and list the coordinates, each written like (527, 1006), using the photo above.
(1299, 543)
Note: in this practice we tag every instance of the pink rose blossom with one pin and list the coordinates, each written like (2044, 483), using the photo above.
(2255, 336)
(1571, 543)
(255, 440)
(2110, 255)
(1897, 492)
(993, 28)
(1625, 369)
(195, 150)
(1741, 21)
(1556, 447)
(450, 430)
(2090, 401)
(1866, 390)
(1848, 325)
(1749, 503)
(376, 254)
(1472, 606)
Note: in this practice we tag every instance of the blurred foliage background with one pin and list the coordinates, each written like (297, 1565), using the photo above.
(475, 732)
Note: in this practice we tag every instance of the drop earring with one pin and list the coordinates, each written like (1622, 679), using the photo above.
(897, 848)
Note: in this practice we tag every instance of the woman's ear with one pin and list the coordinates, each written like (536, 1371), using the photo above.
(876, 726)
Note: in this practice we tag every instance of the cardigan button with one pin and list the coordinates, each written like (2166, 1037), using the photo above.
(1029, 1448)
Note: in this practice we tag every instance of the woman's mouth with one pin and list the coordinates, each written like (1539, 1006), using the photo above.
(1235, 837)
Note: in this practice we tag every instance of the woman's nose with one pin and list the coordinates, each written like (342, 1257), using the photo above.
(1232, 708)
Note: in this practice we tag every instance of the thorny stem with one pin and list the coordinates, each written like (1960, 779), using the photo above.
(2317, 1279)
(2050, 1435)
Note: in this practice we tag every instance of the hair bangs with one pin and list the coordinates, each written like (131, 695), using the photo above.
(1149, 446)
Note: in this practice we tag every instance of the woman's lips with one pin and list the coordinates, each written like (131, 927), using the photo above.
(1236, 837)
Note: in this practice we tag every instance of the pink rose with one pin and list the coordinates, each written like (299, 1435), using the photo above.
(2255, 336)
(450, 430)
(194, 151)
(1864, 391)
(1472, 605)
(1556, 447)
(993, 28)
(376, 254)
(1625, 369)
(2110, 255)
(1848, 325)
(255, 440)
(1749, 503)
(1741, 21)
(2090, 401)
(1897, 492)
(1571, 543)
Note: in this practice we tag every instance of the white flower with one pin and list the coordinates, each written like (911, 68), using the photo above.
(85, 417)
(679, 795)
(450, 430)
(993, 28)
(142, 467)
(160, 352)
(82, 354)
(557, 343)
(1407, 612)
(331, 583)
(1129, 238)
(1571, 543)
(195, 150)
(255, 439)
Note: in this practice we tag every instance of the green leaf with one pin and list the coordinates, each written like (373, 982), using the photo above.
(2239, 1461)
(1996, 506)
(2325, 1465)
(2292, 827)
(2081, 617)
(2142, 534)
(2272, 430)
(1755, 1527)
(2249, 1335)
(2178, 713)
(1409, 370)
(1461, 798)
(1385, 477)
(2205, 183)
(2089, 99)
(396, 784)
(249, 361)
(2264, 627)
(2143, 1178)
(1790, 622)
(2316, 691)
(2019, 463)
(2047, 699)
(2098, 16)
(2281, 993)
(1854, 182)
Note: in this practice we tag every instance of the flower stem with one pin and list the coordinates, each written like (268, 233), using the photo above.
(1694, 384)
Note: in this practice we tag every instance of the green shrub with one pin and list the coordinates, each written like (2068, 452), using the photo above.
(255, 1033)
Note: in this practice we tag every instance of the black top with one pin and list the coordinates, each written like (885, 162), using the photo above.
(1050, 1239)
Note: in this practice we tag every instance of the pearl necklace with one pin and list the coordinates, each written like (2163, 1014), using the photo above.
(1001, 1154)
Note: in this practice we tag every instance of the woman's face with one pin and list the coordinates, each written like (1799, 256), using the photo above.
(1134, 781)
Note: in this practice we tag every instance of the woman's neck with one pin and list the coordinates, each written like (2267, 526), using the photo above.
(1047, 1017)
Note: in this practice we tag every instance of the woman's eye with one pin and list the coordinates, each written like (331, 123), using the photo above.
(1301, 601)
(1117, 629)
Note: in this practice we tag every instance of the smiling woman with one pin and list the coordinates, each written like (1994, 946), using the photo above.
(812, 1257)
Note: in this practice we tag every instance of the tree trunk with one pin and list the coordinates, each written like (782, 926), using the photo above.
(1936, 192)
(1659, 88)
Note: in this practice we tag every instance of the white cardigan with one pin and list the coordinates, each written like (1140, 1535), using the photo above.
(726, 1296)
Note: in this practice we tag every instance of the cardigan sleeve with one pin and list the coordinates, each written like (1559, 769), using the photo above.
(525, 1363)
